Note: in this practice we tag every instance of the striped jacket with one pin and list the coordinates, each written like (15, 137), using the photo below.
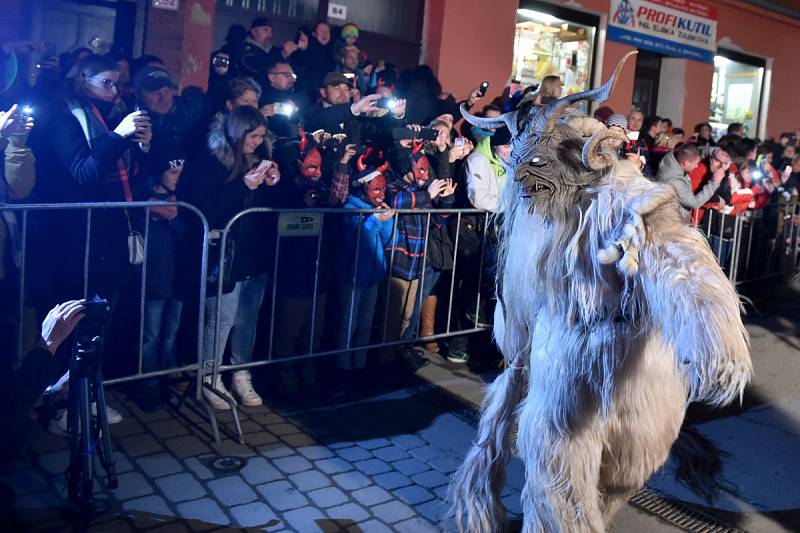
(407, 251)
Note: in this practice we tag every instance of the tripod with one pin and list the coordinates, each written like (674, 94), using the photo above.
(87, 436)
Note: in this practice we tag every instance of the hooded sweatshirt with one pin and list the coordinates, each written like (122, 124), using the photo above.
(672, 174)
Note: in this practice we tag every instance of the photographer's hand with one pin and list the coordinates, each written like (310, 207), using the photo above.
(368, 103)
(59, 323)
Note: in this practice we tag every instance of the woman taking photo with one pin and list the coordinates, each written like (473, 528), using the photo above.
(87, 152)
(236, 173)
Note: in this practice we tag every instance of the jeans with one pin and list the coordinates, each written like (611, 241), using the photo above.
(427, 287)
(162, 318)
(355, 324)
(239, 314)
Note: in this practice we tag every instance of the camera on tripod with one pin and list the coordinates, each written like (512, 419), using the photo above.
(88, 434)
(92, 326)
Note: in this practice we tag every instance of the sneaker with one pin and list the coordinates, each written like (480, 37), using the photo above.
(112, 415)
(243, 387)
(459, 358)
(215, 401)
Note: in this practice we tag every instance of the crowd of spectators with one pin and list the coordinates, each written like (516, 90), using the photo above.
(312, 124)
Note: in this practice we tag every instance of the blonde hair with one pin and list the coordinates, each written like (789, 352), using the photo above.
(551, 86)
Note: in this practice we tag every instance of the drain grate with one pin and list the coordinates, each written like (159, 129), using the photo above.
(678, 515)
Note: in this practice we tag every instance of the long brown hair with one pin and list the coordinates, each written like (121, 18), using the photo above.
(238, 123)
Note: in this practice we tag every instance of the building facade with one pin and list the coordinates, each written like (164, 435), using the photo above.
(719, 61)
(747, 72)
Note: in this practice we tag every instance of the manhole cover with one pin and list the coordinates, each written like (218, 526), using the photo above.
(228, 464)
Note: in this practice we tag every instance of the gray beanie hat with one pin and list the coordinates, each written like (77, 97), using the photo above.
(619, 120)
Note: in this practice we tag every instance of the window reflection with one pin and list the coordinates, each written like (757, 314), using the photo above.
(735, 95)
(545, 45)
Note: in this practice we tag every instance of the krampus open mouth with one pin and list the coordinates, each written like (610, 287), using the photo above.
(537, 188)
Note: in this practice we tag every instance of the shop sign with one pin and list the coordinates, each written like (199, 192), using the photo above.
(678, 28)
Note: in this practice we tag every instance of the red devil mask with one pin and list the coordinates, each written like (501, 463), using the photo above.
(420, 165)
(375, 190)
(309, 161)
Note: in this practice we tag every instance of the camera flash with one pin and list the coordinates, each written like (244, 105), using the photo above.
(27, 110)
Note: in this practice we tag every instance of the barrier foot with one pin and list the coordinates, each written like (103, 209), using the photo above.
(213, 418)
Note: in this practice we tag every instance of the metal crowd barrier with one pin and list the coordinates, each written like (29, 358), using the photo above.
(294, 223)
(23, 212)
(756, 245)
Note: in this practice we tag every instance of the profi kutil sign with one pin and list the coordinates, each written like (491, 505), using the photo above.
(678, 28)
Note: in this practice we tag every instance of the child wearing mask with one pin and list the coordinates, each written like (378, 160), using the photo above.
(363, 266)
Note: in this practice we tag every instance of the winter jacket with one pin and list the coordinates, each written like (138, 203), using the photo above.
(409, 244)
(280, 125)
(311, 65)
(252, 59)
(205, 184)
(483, 185)
(70, 169)
(163, 248)
(371, 262)
(672, 174)
(16, 183)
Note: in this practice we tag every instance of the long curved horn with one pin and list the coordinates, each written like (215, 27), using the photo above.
(592, 154)
(416, 147)
(506, 119)
(599, 94)
(383, 168)
(360, 165)
(586, 126)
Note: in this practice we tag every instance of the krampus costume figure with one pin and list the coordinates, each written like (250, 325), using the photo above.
(612, 317)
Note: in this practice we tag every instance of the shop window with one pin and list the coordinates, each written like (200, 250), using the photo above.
(549, 41)
(736, 92)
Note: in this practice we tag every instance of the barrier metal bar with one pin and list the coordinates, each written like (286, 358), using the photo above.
(392, 243)
(316, 286)
(143, 288)
(421, 283)
(336, 351)
(355, 280)
(453, 273)
(480, 268)
(86, 253)
(22, 279)
(274, 298)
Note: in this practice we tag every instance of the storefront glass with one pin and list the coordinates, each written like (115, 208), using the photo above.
(735, 95)
(545, 45)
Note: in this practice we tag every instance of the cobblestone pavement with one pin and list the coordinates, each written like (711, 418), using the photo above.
(382, 462)
(379, 464)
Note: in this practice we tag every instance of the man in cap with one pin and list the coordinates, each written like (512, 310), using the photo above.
(171, 116)
(334, 113)
(256, 52)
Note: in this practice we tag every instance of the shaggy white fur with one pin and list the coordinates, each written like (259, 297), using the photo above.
(610, 323)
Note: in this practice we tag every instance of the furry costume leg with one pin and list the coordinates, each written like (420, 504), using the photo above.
(636, 443)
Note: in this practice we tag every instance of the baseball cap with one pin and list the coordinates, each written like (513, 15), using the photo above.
(334, 78)
(150, 79)
(259, 22)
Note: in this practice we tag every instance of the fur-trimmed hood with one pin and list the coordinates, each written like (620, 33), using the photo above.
(217, 143)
